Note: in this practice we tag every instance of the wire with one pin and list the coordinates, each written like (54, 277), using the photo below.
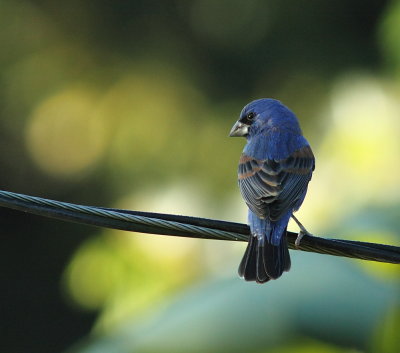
(183, 226)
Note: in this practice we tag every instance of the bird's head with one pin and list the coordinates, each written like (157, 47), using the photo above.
(262, 115)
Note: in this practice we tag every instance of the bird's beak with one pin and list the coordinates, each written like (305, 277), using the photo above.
(239, 130)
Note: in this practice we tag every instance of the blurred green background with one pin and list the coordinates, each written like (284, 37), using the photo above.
(129, 104)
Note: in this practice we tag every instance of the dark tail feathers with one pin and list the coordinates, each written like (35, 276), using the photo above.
(263, 261)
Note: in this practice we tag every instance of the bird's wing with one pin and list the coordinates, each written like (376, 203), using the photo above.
(273, 187)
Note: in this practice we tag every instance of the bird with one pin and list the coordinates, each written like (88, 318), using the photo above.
(274, 170)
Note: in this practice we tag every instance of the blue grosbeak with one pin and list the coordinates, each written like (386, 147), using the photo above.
(274, 170)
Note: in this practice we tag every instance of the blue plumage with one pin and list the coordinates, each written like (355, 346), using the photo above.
(274, 170)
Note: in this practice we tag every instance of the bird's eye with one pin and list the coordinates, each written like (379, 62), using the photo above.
(250, 116)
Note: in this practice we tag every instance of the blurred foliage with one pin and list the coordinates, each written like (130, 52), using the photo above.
(386, 338)
(227, 315)
(129, 104)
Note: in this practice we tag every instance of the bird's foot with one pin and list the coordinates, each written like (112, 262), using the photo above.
(303, 231)
(299, 237)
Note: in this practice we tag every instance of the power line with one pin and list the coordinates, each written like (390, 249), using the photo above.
(183, 226)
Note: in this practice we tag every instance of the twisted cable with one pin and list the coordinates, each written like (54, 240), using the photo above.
(184, 226)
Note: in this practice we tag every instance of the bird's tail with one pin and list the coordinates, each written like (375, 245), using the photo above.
(263, 261)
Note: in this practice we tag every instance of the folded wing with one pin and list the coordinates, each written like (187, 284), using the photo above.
(270, 187)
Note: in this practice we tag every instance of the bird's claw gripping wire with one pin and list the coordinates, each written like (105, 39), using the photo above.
(303, 231)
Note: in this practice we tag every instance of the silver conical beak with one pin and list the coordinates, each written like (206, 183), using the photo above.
(239, 130)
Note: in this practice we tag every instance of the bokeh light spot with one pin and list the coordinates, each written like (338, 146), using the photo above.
(93, 274)
(64, 135)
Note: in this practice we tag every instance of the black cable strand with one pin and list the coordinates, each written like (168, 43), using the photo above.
(184, 226)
